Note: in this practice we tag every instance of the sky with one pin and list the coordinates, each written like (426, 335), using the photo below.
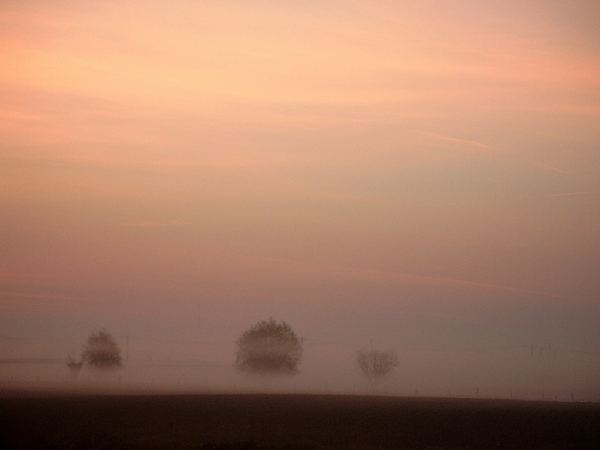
(417, 176)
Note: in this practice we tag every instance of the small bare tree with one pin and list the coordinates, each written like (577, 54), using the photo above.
(75, 366)
(102, 351)
(376, 365)
(269, 346)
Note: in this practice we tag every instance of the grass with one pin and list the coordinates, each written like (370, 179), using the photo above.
(254, 422)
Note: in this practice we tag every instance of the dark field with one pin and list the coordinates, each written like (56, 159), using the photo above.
(32, 421)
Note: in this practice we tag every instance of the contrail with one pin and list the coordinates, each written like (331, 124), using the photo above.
(453, 139)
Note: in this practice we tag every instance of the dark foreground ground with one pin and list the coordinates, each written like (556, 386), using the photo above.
(251, 422)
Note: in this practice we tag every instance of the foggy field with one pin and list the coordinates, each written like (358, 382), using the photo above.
(327, 369)
(291, 421)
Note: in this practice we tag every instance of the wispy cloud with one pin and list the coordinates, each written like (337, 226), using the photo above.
(574, 194)
(547, 167)
(12, 294)
(150, 224)
(337, 272)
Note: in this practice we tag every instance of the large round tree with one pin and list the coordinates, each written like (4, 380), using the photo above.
(102, 351)
(269, 346)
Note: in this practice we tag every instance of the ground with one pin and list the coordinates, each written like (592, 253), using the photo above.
(254, 422)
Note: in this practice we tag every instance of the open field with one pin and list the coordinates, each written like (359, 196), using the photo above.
(290, 421)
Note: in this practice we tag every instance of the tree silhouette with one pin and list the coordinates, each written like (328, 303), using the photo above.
(102, 351)
(376, 365)
(269, 346)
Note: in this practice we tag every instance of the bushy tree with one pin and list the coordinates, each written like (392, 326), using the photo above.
(376, 365)
(269, 346)
(102, 351)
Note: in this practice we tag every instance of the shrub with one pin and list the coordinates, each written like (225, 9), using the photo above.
(102, 351)
(375, 364)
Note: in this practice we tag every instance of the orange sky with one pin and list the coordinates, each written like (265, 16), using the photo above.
(199, 154)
